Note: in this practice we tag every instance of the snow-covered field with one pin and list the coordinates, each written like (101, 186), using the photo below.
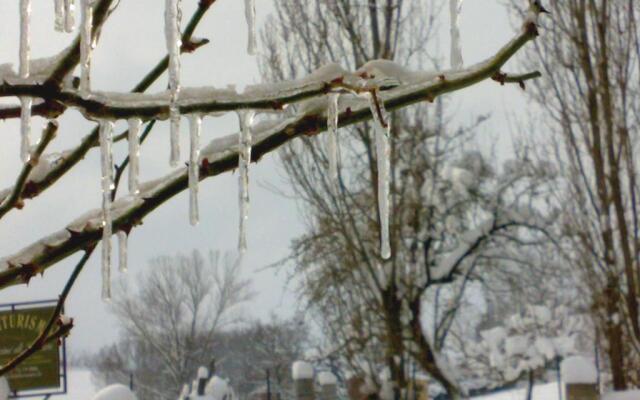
(547, 391)
(80, 386)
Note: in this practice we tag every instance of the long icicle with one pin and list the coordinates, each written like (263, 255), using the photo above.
(455, 8)
(86, 46)
(195, 127)
(135, 124)
(382, 124)
(332, 137)
(122, 251)
(244, 151)
(106, 158)
(25, 56)
(172, 17)
(69, 15)
(58, 7)
(250, 15)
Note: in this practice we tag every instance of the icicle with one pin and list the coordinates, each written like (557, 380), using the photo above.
(122, 251)
(172, 17)
(195, 122)
(69, 15)
(86, 46)
(106, 140)
(332, 125)
(134, 155)
(382, 126)
(25, 56)
(455, 7)
(25, 43)
(25, 128)
(244, 151)
(59, 10)
(250, 15)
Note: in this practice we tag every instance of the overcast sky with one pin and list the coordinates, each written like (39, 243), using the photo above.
(132, 41)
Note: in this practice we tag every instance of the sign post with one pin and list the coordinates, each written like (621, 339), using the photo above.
(42, 373)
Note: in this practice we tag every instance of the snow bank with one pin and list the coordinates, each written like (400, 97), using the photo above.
(628, 395)
(115, 392)
(302, 370)
(327, 378)
(578, 369)
(4, 388)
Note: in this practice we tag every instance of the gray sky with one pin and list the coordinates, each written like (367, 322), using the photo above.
(132, 41)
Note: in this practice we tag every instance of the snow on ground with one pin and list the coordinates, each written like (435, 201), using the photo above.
(80, 386)
(547, 391)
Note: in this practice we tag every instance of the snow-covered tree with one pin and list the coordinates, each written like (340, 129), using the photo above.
(452, 213)
(287, 109)
(591, 110)
(171, 321)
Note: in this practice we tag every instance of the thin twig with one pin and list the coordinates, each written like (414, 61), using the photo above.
(14, 198)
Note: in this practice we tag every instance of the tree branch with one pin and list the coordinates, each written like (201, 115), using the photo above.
(71, 158)
(222, 156)
(14, 198)
(64, 327)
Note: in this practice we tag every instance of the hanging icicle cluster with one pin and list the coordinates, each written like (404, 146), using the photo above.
(135, 124)
(106, 141)
(87, 45)
(65, 19)
(172, 18)
(195, 127)
(382, 126)
(244, 159)
(250, 15)
(25, 58)
(455, 8)
(332, 136)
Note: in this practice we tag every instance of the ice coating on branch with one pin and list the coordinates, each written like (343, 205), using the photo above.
(122, 251)
(382, 125)
(250, 15)
(106, 158)
(332, 137)
(86, 46)
(58, 7)
(25, 55)
(244, 159)
(195, 128)
(69, 15)
(25, 128)
(172, 17)
(135, 124)
(455, 7)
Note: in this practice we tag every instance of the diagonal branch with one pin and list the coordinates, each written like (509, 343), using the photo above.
(222, 156)
(64, 327)
(14, 198)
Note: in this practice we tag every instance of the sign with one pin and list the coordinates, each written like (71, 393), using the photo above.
(19, 327)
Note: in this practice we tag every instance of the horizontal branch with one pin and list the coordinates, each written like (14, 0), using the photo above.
(221, 155)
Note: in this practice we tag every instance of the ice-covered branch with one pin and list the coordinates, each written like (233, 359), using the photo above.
(399, 82)
(68, 159)
(222, 156)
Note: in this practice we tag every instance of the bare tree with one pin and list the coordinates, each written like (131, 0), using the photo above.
(453, 213)
(171, 319)
(48, 88)
(591, 107)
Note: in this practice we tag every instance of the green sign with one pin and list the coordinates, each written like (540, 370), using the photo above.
(18, 329)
